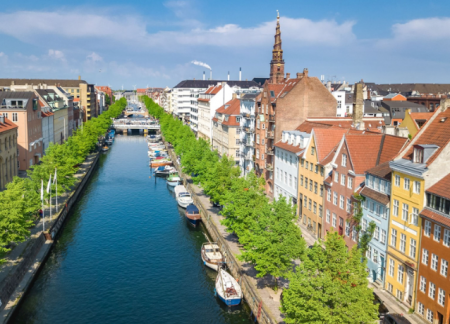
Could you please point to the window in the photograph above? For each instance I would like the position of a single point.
(343, 179)
(446, 237)
(437, 233)
(347, 229)
(391, 267)
(305, 201)
(376, 233)
(396, 204)
(412, 248)
(405, 211)
(423, 284)
(320, 210)
(321, 190)
(306, 165)
(309, 204)
(364, 224)
(341, 202)
(382, 184)
(434, 261)
(390, 287)
(328, 216)
(415, 216)
(285, 177)
(263, 126)
(432, 290)
(14, 117)
(397, 181)
(316, 169)
(383, 236)
(310, 185)
(336, 177)
(427, 230)
(417, 187)
(444, 267)
(349, 205)
(369, 252)
(354, 234)
(313, 150)
(430, 315)
(315, 187)
(400, 272)
(335, 198)
(334, 220)
(329, 194)
(310, 166)
(406, 184)
(350, 182)
(375, 256)
(441, 297)
(370, 181)
(302, 163)
(425, 256)
(402, 242)
(238, 141)
(262, 142)
(421, 308)
(394, 237)
(344, 160)
(315, 208)
(301, 180)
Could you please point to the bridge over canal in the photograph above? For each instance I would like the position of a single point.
(125, 124)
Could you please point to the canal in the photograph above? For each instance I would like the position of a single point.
(126, 255)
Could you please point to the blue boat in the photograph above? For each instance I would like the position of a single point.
(193, 215)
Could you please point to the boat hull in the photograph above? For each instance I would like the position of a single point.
(173, 183)
(230, 302)
(183, 204)
(210, 265)
(158, 164)
(193, 219)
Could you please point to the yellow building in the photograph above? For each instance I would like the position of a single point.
(315, 164)
(419, 166)
(413, 121)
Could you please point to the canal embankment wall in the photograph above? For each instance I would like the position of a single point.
(26, 265)
(260, 311)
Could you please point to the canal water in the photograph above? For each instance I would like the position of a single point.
(126, 255)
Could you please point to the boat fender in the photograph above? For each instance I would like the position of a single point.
(215, 292)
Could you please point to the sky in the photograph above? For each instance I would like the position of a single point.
(152, 43)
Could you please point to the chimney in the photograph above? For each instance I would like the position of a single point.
(445, 103)
(12, 82)
(358, 106)
(288, 76)
(240, 74)
(204, 76)
(305, 72)
(228, 75)
(329, 85)
(223, 91)
(210, 74)
(299, 75)
(79, 77)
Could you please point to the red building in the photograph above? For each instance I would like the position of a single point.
(106, 90)
(433, 283)
(355, 154)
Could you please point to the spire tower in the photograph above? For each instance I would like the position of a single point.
(277, 63)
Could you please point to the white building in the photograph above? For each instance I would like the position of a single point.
(185, 97)
(344, 103)
(101, 99)
(287, 152)
(47, 126)
(247, 139)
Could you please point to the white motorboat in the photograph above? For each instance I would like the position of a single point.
(165, 170)
(182, 196)
(228, 289)
(173, 179)
(211, 255)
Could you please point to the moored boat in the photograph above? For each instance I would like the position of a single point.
(164, 170)
(105, 148)
(228, 289)
(193, 215)
(211, 255)
(173, 179)
(159, 163)
(182, 196)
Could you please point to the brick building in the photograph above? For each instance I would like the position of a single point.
(284, 104)
(434, 286)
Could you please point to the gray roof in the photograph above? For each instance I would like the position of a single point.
(249, 96)
(16, 95)
(204, 84)
(407, 88)
(63, 83)
(260, 81)
(373, 107)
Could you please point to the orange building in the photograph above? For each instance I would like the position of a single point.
(433, 282)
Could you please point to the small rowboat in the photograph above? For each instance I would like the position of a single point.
(228, 289)
(193, 215)
(211, 255)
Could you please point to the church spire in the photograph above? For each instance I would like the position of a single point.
(277, 63)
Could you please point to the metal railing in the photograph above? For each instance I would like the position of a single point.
(272, 118)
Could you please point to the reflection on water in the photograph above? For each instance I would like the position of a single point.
(126, 255)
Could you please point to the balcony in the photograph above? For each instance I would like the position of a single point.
(269, 152)
(269, 167)
(248, 143)
(270, 135)
(272, 118)
(249, 130)
(248, 156)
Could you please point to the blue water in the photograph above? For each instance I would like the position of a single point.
(126, 255)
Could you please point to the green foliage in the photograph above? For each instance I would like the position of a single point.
(366, 236)
(329, 286)
(107, 99)
(21, 199)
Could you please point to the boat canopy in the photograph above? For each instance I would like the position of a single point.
(161, 168)
(192, 209)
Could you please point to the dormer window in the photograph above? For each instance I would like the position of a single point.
(418, 155)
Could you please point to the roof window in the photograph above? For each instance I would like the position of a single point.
(272, 93)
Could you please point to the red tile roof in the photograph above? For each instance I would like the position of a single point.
(76, 99)
(213, 89)
(7, 125)
(382, 170)
(363, 150)
(375, 195)
(437, 132)
(288, 147)
(233, 109)
(435, 216)
(391, 146)
(441, 188)
(326, 140)
(46, 114)
(141, 90)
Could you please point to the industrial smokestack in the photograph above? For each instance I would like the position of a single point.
(204, 76)
(210, 74)
(228, 75)
(240, 74)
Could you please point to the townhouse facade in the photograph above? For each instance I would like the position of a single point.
(247, 140)
(8, 151)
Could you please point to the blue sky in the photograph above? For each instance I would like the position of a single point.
(152, 43)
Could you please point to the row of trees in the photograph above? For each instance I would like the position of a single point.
(329, 286)
(21, 201)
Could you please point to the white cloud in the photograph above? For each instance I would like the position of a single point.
(57, 55)
(429, 29)
(94, 57)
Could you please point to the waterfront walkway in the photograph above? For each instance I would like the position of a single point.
(16, 255)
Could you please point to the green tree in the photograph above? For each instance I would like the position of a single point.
(330, 286)
(107, 99)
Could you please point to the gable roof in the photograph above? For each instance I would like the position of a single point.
(7, 125)
(288, 147)
(213, 89)
(382, 171)
(233, 109)
(423, 116)
(441, 188)
(327, 139)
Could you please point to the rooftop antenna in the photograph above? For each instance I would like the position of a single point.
(228, 75)
(240, 70)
